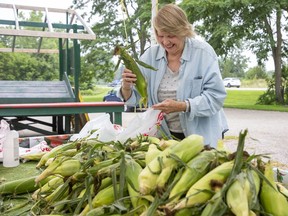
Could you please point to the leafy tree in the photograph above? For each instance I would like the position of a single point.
(29, 66)
(269, 96)
(23, 66)
(261, 23)
(257, 72)
(127, 23)
(234, 64)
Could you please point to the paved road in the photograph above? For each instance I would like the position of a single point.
(267, 132)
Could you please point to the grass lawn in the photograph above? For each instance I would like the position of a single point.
(246, 99)
(97, 95)
(236, 98)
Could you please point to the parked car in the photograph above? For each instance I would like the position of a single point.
(115, 83)
(232, 82)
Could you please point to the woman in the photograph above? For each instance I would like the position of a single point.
(187, 86)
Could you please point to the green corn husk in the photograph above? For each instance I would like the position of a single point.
(196, 169)
(271, 199)
(201, 191)
(57, 150)
(32, 156)
(152, 153)
(130, 63)
(20, 186)
(103, 197)
(49, 187)
(132, 171)
(63, 166)
(252, 189)
(236, 197)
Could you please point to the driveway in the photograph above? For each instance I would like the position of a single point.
(267, 132)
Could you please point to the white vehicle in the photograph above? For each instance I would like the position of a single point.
(232, 82)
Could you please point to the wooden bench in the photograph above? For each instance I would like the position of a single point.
(66, 109)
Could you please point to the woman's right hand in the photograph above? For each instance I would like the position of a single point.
(128, 81)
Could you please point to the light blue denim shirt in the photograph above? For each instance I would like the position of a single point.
(200, 82)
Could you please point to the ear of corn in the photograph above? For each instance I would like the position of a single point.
(130, 63)
(32, 156)
(19, 186)
(153, 140)
(68, 168)
(188, 148)
(48, 187)
(196, 168)
(163, 177)
(52, 196)
(215, 206)
(148, 176)
(103, 197)
(271, 199)
(252, 188)
(132, 171)
(151, 153)
(62, 166)
(236, 196)
(199, 192)
(57, 150)
(184, 150)
(97, 211)
(167, 143)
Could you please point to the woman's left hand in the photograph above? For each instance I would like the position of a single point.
(169, 106)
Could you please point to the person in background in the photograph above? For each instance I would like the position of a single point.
(187, 86)
(111, 96)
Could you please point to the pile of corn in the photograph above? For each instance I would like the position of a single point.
(148, 176)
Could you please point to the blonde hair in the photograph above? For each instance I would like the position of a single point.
(173, 20)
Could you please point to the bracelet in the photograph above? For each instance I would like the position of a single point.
(187, 105)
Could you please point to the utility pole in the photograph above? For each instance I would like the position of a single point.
(154, 10)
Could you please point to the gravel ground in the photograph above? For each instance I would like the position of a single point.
(267, 133)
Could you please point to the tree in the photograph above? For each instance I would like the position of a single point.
(257, 72)
(233, 64)
(261, 23)
(127, 23)
(29, 66)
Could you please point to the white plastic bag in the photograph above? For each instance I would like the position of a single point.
(40, 147)
(145, 123)
(100, 127)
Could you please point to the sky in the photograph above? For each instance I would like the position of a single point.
(64, 4)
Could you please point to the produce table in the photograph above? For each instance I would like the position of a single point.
(126, 168)
(23, 170)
